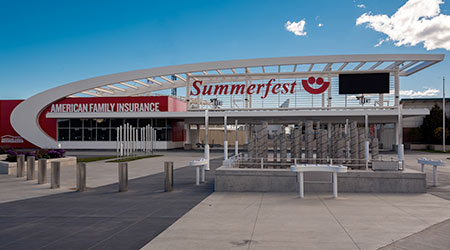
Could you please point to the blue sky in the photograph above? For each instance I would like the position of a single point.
(45, 44)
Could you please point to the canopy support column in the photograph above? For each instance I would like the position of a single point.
(225, 141)
(206, 140)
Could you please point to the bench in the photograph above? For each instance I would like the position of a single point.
(200, 166)
(424, 161)
(301, 168)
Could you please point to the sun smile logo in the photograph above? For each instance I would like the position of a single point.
(319, 81)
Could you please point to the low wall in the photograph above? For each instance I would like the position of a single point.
(11, 167)
(283, 180)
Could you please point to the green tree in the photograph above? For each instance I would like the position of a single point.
(430, 123)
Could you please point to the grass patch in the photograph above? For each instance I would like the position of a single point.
(96, 158)
(134, 158)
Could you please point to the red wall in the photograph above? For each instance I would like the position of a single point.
(166, 103)
(48, 125)
(178, 133)
(6, 108)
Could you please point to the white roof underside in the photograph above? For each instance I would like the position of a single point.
(146, 81)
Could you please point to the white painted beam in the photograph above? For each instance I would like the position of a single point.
(154, 81)
(116, 88)
(128, 85)
(104, 90)
(141, 83)
(342, 66)
(376, 65)
(91, 93)
(359, 66)
(166, 79)
(180, 77)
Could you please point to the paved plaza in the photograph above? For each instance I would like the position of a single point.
(193, 217)
(98, 174)
(282, 221)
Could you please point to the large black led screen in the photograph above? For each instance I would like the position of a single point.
(374, 83)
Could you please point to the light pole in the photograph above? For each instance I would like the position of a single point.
(443, 114)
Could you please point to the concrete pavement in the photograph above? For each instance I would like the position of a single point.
(282, 221)
(443, 188)
(102, 218)
(228, 220)
(98, 174)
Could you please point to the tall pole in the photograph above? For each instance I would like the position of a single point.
(225, 141)
(236, 142)
(443, 114)
(206, 140)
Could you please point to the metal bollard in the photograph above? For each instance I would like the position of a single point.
(123, 176)
(81, 177)
(20, 171)
(168, 173)
(55, 175)
(42, 171)
(434, 175)
(30, 167)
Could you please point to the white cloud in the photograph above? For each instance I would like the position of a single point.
(412, 93)
(415, 22)
(362, 6)
(320, 25)
(296, 27)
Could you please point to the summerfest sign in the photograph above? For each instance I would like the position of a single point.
(104, 107)
(262, 89)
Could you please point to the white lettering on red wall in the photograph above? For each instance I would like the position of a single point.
(104, 107)
(11, 139)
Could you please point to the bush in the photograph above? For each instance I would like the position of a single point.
(56, 153)
(3, 149)
(430, 123)
(40, 154)
(11, 156)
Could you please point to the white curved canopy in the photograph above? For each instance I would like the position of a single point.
(24, 118)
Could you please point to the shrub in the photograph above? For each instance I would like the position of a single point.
(55, 154)
(11, 158)
(430, 123)
(3, 149)
(39, 154)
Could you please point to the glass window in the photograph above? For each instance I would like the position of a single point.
(63, 123)
(103, 134)
(63, 134)
(88, 123)
(144, 122)
(169, 134)
(116, 123)
(113, 134)
(89, 134)
(132, 122)
(76, 123)
(161, 123)
(102, 123)
(161, 134)
(76, 134)
(169, 123)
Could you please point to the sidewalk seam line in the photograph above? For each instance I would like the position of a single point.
(256, 220)
(348, 234)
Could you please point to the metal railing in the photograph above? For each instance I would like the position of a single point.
(243, 161)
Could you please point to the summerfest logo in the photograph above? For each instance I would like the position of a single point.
(263, 89)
